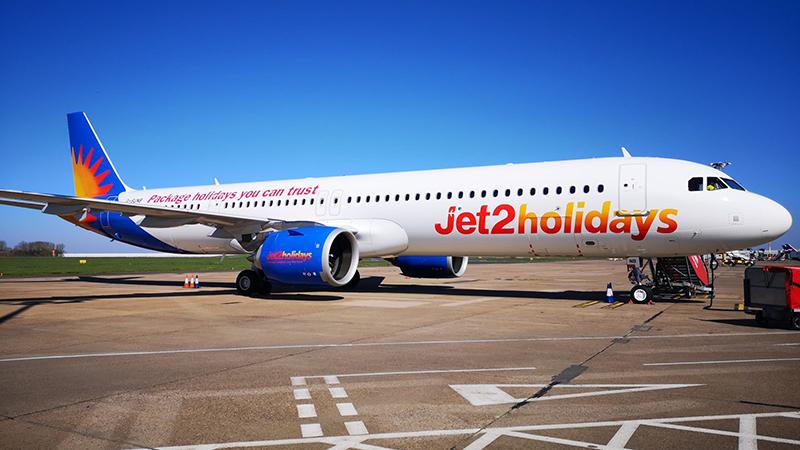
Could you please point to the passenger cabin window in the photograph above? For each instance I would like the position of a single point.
(714, 184)
(696, 184)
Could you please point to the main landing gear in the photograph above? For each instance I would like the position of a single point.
(250, 283)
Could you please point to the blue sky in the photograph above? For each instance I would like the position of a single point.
(244, 91)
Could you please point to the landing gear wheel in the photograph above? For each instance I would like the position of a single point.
(354, 282)
(248, 283)
(641, 294)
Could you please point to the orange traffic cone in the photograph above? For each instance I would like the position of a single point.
(197, 281)
(191, 282)
(186, 281)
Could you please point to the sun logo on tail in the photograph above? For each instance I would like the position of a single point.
(87, 180)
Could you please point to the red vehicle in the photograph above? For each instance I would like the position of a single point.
(772, 293)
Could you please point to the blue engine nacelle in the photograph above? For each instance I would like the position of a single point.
(431, 266)
(309, 256)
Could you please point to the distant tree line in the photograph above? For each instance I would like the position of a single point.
(38, 248)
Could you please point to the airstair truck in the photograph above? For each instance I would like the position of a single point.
(772, 293)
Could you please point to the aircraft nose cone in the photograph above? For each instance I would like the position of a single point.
(776, 220)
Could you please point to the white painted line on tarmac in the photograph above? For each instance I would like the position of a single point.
(306, 411)
(302, 394)
(515, 431)
(790, 343)
(466, 302)
(418, 372)
(298, 381)
(331, 379)
(384, 344)
(623, 435)
(346, 409)
(493, 394)
(338, 392)
(724, 361)
(356, 428)
(747, 433)
(311, 430)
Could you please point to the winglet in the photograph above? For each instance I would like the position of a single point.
(625, 152)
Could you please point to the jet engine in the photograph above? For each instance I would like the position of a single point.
(314, 255)
(431, 266)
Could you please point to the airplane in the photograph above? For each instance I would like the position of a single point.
(314, 231)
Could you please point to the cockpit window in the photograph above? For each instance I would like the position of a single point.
(733, 184)
(714, 184)
(696, 184)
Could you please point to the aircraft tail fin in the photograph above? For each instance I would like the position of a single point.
(92, 170)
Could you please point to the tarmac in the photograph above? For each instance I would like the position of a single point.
(508, 356)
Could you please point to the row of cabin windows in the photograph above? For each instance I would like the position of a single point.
(472, 194)
(407, 197)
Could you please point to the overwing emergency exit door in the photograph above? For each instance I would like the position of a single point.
(632, 189)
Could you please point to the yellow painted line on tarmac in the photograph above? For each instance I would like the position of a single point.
(585, 304)
(610, 305)
(617, 305)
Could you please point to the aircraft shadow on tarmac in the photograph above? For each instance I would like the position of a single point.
(368, 284)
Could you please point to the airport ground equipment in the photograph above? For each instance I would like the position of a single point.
(739, 257)
(671, 277)
(772, 293)
(788, 252)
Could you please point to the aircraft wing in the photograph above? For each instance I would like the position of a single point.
(152, 216)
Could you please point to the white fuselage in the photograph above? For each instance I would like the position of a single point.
(591, 207)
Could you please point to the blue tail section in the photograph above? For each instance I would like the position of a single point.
(92, 170)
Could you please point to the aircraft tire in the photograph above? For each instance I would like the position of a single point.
(641, 294)
(248, 283)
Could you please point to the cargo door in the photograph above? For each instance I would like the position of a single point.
(632, 189)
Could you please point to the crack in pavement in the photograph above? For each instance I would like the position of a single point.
(564, 377)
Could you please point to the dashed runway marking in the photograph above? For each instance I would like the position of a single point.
(346, 409)
(311, 430)
(298, 381)
(356, 428)
(338, 392)
(331, 379)
(305, 411)
(302, 394)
